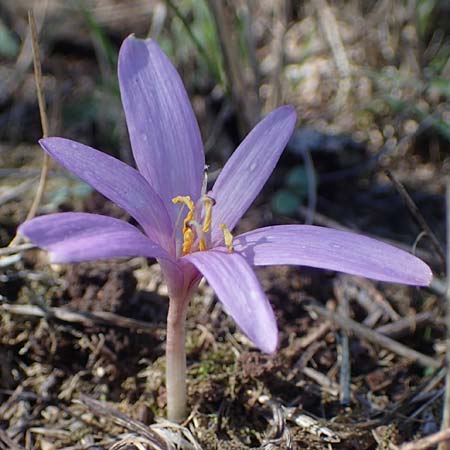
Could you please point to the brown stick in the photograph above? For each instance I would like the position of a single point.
(87, 319)
(405, 325)
(376, 338)
(426, 442)
(9, 442)
(344, 347)
(416, 214)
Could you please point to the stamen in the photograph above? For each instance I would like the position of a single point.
(188, 240)
(205, 180)
(188, 234)
(202, 245)
(185, 200)
(227, 237)
(196, 234)
(205, 204)
(200, 241)
(209, 203)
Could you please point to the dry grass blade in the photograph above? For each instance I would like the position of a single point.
(330, 29)
(42, 113)
(38, 73)
(123, 420)
(307, 423)
(313, 426)
(281, 434)
(164, 435)
(133, 442)
(15, 249)
(16, 192)
(11, 445)
(44, 121)
(244, 95)
(322, 380)
(417, 215)
(277, 50)
(176, 433)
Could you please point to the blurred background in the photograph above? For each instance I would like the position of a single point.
(369, 80)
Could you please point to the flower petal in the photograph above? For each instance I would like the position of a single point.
(77, 237)
(117, 181)
(246, 172)
(326, 248)
(163, 130)
(239, 290)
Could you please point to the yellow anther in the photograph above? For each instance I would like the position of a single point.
(202, 245)
(188, 240)
(185, 200)
(194, 233)
(188, 234)
(227, 237)
(209, 203)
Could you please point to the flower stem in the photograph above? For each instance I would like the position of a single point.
(176, 359)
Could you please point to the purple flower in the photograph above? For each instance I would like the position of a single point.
(187, 229)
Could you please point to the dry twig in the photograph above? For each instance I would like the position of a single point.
(87, 319)
(9, 442)
(417, 215)
(42, 113)
(343, 348)
(406, 325)
(376, 338)
(426, 442)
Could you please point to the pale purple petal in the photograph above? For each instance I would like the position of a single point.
(248, 169)
(77, 237)
(173, 278)
(325, 248)
(118, 182)
(164, 133)
(239, 290)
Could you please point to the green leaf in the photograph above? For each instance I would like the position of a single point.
(297, 181)
(285, 203)
(9, 46)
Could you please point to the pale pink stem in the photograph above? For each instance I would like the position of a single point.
(176, 359)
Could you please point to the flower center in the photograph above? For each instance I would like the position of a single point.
(196, 231)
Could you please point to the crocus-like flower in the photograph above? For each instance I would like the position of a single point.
(187, 229)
